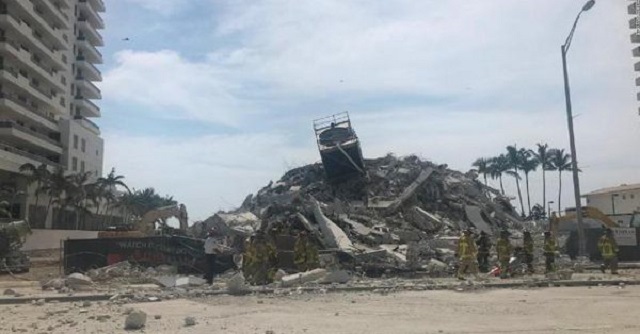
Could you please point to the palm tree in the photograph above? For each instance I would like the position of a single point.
(483, 167)
(110, 183)
(497, 166)
(515, 158)
(76, 194)
(560, 161)
(543, 155)
(529, 164)
(55, 188)
(40, 176)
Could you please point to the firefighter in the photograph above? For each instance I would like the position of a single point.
(484, 249)
(264, 262)
(528, 250)
(504, 250)
(467, 253)
(306, 254)
(550, 248)
(249, 258)
(609, 251)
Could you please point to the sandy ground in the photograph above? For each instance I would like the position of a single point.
(550, 310)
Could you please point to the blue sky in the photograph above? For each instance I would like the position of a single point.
(208, 100)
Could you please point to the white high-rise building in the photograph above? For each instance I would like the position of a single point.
(48, 52)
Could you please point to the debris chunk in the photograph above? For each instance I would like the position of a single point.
(135, 320)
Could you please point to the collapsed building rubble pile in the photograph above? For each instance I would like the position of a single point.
(404, 213)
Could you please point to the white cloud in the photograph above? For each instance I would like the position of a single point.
(163, 7)
(453, 81)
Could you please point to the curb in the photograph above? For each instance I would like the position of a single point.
(265, 291)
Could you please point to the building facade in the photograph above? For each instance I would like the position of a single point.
(48, 57)
(619, 203)
(633, 9)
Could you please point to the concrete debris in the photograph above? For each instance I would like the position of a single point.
(394, 217)
(176, 281)
(56, 284)
(136, 319)
(236, 285)
(75, 280)
(305, 277)
(189, 321)
(337, 276)
(9, 292)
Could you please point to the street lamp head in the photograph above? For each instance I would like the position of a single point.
(588, 5)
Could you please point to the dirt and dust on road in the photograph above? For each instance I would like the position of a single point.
(599, 309)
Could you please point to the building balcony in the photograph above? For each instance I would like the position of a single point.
(11, 158)
(12, 131)
(49, 32)
(88, 89)
(87, 69)
(54, 11)
(12, 105)
(86, 108)
(19, 82)
(88, 124)
(90, 13)
(98, 5)
(90, 32)
(90, 53)
(11, 50)
(34, 42)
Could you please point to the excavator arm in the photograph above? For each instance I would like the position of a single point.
(146, 225)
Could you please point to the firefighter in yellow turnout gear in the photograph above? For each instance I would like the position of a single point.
(468, 255)
(248, 258)
(261, 260)
(528, 250)
(550, 248)
(609, 251)
(306, 254)
(504, 250)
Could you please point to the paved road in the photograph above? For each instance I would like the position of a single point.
(548, 310)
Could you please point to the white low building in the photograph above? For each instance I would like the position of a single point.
(620, 203)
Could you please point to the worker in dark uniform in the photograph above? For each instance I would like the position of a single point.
(528, 250)
(214, 245)
(306, 254)
(484, 251)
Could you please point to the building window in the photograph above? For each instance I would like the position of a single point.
(74, 164)
(632, 196)
(83, 144)
(97, 153)
(624, 196)
(81, 166)
(75, 142)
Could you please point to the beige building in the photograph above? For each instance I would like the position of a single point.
(48, 53)
(620, 203)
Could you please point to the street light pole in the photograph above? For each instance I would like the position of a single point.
(572, 142)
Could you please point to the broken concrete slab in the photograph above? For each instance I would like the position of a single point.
(474, 215)
(175, 281)
(333, 236)
(304, 277)
(75, 280)
(337, 276)
(410, 190)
